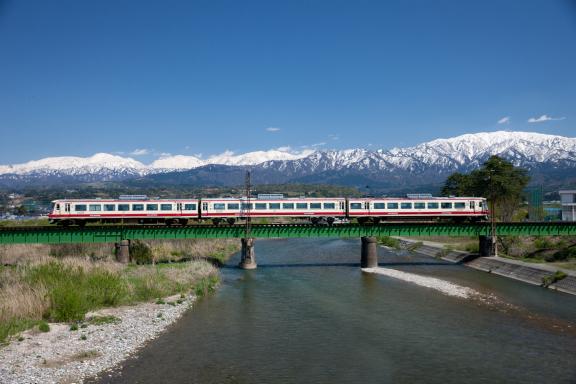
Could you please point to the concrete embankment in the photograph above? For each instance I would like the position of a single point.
(535, 274)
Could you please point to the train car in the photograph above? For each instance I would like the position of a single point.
(127, 210)
(317, 210)
(421, 208)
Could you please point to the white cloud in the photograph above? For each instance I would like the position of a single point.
(272, 129)
(334, 137)
(163, 155)
(544, 118)
(504, 120)
(140, 152)
(284, 149)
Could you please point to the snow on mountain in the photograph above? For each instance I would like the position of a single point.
(71, 165)
(180, 162)
(438, 157)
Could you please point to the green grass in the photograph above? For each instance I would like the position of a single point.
(74, 288)
(389, 241)
(15, 326)
(44, 327)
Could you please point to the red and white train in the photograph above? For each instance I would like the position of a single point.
(141, 210)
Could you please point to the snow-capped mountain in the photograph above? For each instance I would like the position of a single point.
(425, 163)
(179, 162)
(100, 163)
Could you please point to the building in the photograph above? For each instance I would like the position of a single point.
(568, 200)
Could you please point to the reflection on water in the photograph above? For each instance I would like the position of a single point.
(309, 315)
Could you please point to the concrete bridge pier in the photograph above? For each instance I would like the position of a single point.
(248, 260)
(123, 251)
(486, 246)
(369, 252)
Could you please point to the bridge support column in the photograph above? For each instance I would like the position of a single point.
(486, 246)
(123, 251)
(248, 260)
(369, 253)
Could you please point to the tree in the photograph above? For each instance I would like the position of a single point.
(457, 184)
(498, 180)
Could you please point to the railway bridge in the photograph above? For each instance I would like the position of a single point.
(121, 235)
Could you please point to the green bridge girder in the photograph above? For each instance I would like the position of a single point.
(104, 234)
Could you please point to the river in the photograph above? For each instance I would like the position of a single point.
(308, 314)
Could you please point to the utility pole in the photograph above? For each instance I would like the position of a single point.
(493, 216)
(248, 207)
(248, 260)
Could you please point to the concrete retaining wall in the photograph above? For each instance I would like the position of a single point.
(508, 268)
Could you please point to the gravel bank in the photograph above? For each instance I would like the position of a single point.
(443, 286)
(62, 356)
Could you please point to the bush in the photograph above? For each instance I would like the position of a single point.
(557, 276)
(562, 255)
(543, 243)
(44, 327)
(140, 252)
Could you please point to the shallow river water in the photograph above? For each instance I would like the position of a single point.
(308, 314)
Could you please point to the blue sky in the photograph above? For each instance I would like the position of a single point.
(190, 77)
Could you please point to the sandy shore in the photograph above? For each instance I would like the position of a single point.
(65, 356)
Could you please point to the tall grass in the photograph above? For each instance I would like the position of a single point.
(64, 290)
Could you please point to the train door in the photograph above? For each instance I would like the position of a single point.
(473, 206)
(179, 207)
(367, 207)
(67, 208)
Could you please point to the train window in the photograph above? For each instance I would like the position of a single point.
(94, 207)
(151, 207)
(80, 207)
(405, 205)
(460, 205)
(355, 205)
(392, 205)
(379, 206)
(137, 207)
(234, 206)
(109, 207)
(165, 207)
(246, 206)
(301, 205)
(329, 206)
(315, 206)
(446, 205)
(260, 206)
(419, 205)
(287, 205)
(219, 206)
(480, 204)
(189, 207)
(57, 207)
(433, 205)
(123, 207)
(274, 205)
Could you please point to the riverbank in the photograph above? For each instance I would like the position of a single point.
(548, 276)
(63, 355)
(65, 318)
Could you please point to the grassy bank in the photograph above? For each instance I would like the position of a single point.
(43, 283)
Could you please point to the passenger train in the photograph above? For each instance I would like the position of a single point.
(142, 210)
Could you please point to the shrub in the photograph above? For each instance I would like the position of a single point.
(557, 276)
(140, 252)
(74, 327)
(543, 243)
(44, 327)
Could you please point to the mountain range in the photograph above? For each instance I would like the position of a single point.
(549, 158)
